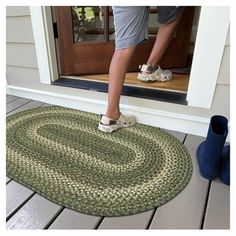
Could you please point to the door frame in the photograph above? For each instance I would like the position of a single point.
(209, 47)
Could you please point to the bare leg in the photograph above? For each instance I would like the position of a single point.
(163, 39)
(117, 72)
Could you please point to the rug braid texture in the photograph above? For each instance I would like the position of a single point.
(59, 153)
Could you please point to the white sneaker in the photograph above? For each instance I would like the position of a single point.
(154, 75)
(108, 125)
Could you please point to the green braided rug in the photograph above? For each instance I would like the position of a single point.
(59, 153)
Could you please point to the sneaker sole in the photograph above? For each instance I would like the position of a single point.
(145, 80)
(107, 129)
(110, 129)
(142, 78)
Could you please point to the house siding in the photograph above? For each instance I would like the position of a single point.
(22, 71)
(23, 34)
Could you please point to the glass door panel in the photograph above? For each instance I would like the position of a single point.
(88, 23)
(111, 25)
(153, 24)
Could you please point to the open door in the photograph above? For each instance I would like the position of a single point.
(86, 40)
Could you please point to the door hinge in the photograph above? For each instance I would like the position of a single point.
(55, 31)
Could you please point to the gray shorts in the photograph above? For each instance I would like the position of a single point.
(131, 23)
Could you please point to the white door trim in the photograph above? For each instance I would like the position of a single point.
(41, 19)
(210, 42)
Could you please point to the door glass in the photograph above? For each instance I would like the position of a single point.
(153, 23)
(111, 25)
(88, 23)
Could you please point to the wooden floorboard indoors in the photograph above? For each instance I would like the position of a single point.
(201, 205)
(178, 83)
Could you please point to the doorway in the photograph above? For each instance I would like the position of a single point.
(86, 45)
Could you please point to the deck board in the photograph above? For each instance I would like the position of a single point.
(185, 211)
(35, 214)
(47, 105)
(69, 219)
(218, 208)
(7, 179)
(137, 221)
(177, 134)
(10, 98)
(16, 104)
(27, 106)
(16, 194)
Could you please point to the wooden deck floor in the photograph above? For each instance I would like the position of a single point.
(202, 204)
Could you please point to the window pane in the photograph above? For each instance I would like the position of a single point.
(88, 23)
(153, 23)
(111, 25)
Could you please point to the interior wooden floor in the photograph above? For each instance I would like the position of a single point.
(178, 83)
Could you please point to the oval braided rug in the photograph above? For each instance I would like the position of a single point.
(59, 153)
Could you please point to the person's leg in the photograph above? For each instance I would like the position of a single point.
(131, 27)
(163, 38)
(169, 17)
(114, 119)
(117, 72)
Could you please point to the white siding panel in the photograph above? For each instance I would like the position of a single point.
(22, 76)
(19, 29)
(22, 55)
(17, 11)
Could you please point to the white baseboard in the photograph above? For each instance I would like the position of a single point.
(172, 121)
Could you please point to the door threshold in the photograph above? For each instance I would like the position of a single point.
(128, 90)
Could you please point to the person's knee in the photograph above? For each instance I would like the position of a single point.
(128, 52)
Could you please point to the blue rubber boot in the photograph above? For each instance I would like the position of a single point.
(209, 151)
(225, 165)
